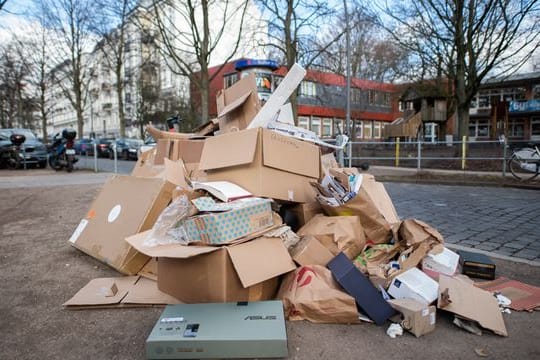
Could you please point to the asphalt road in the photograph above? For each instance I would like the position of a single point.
(39, 271)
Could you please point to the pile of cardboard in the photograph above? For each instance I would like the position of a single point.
(337, 248)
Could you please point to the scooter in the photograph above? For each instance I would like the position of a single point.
(62, 152)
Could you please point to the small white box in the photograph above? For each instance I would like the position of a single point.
(416, 285)
(445, 262)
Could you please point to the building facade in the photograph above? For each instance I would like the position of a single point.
(321, 98)
(508, 106)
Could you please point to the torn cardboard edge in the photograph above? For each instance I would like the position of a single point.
(127, 291)
(470, 302)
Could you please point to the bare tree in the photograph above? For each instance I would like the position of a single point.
(13, 71)
(374, 56)
(72, 21)
(34, 48)
(113, 27)
(191, 33)
(466, 40)
(294, 28)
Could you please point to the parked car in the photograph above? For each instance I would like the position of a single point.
(149, 143)
(126, 148)
(84, 147)
(103, 147)
(32, 150)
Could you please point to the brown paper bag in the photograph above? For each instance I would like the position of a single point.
(376, 228)
(310, 293)
(413, 232)
(337, 233)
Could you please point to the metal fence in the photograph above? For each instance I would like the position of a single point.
(450, 155)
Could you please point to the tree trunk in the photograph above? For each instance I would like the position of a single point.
(120, 95)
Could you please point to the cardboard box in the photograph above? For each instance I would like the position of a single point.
(263, 162)
(416, 285)
(201, 274)
(440, 262)
(417, 318)
(221, 223)
(305, 212)
(237, 105)
(310, 251)
(125, 206)
(476, 265)
(368, 298)
(188, 150)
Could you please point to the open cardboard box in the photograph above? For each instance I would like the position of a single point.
(188, 150)
(202, 274)
(265, 163)
(237, 105)
(125, 206)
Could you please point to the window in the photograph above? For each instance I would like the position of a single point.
(229, 79)
(536, 92)
(303, 122)
(371, 97)
(264, 82)
(308, 89)
(316, 126)
(376, 130)
(326, 128)
(535, 129)
(367, 130)
(356, 96)
(516, 128)
(358, 127)
(386, 99)
(339, 126)
(277, 80)
(479, 128)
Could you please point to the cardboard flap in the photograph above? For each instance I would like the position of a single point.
(145, 291)
(169, 251)
(472, 303)
(96, 292)
(234, 105)
(248, 262)
(292, 155)
(240, 147)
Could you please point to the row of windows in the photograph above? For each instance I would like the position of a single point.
(330, 128)
(267, 82)
(516, 128)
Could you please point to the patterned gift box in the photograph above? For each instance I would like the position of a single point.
(224, 222)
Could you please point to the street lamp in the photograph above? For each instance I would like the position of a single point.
(348, 73)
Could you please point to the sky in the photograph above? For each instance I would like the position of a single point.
(11, 19)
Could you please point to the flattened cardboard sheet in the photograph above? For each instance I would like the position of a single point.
(130, 291)
(470, 302)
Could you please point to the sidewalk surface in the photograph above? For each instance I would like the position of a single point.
(40, 271)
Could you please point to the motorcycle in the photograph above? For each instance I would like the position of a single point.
(11, 156)
(62, 152)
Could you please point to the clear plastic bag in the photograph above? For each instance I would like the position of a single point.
(165, 231)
